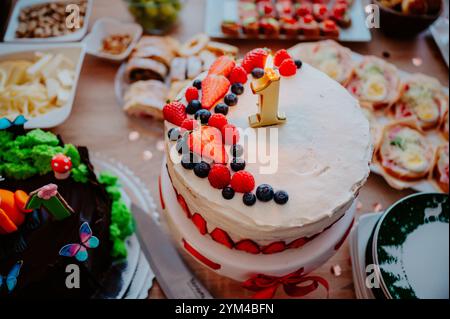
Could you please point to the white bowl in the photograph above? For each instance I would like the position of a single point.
(74, 51)
(105, 27)
(10, 35)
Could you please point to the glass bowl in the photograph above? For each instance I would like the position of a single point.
(155, 16)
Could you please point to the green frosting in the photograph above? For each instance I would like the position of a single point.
(31, 154)
(80, 174)
(122, 222)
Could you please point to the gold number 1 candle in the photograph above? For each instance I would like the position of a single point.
(268, 90)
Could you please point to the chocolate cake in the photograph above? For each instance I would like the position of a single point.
(37, 243)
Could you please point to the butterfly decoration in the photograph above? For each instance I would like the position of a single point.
(5, 123)
(79, 251)
(11, 279)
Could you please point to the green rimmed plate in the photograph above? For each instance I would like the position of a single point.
(411, 248)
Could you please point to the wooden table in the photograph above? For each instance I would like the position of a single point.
(98, 122)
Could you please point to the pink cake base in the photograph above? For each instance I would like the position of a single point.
(239, 265)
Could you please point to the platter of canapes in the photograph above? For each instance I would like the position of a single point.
(408, 114)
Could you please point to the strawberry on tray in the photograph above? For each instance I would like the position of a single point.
(309, 19)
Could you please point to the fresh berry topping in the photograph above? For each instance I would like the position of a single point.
(288, 68)
(222, 66)
(329, 25)
(222, 237)
(248, 246)
(221, 108)
(182, 146)
(202, 169)
(280, 56)
(200, 223)
(249, 199)
(281, 197)
(243, 182)
(214, 88)
(207, 143)
(228, 193)
(298, 64)
(254, 59)
(274, 248)
(258, 73)
(174, 134)
(237, 88)
(175, 113)
(189, 124)
(193, 106)
(191, 94)
(218, 121)
(264, 193)
(237, 164)
(203, 115)
(231, 99)
(188, 161)
(238, 75)
(219, 176)
(230, 134)
(237, 150)
(197, 84)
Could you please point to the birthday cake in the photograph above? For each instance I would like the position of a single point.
(265, 153)
(61, 227)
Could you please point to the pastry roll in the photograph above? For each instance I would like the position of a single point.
(194, 67)
(146, 98)
(159, 54)
(178, 69)
(140, 69)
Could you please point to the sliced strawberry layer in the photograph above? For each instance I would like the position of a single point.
(298, 243)
(184, 205)
(248, 246)
(200, 257)
(214, 88)
(200, 223)
(207, 143)
(274, 248)
(222, 66)
(161, 199)
(222, 237)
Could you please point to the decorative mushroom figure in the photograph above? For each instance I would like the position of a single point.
(62, 166)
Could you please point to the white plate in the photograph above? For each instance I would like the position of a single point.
(440, 33)
(10, 35)
(74, 51)
(106, 27)
(357, 32)
(358, 240)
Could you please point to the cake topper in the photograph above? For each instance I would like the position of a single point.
(5, 123)
(79, 251)
(268, 90)
(11, 279)
(52, 201)
(62, 166)
(12, 210)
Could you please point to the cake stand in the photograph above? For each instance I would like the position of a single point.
(242, 266)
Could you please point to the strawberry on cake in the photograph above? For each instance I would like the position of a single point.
(319, 157)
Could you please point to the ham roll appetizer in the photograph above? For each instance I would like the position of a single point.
(327, 56)
(441, 168)
(423, 100)
(405, 153)
(375, 83)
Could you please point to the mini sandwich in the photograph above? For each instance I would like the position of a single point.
(328, 56)
(441, 168)
(140, 69)
(309, 27)
(375, 83)
(405, 153)
(422, 99)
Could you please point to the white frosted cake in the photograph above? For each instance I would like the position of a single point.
(324, 151)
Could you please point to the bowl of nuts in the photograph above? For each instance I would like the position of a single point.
(48, 21)
(111, 39)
